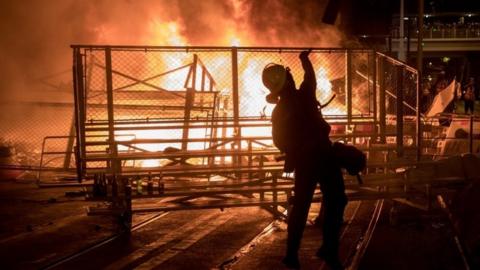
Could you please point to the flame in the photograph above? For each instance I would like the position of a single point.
(235, 42)
(324, 86)
(167, 33)
(324, 92)
(252, 90)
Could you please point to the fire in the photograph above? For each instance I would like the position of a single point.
(235, 42)
(324, 86)
(252, 92)
(233, 39)
(324, 93)
(165, 33)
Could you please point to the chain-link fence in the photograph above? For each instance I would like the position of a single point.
(152, 82)
(200, 94)
(35, 109)
(398, 114)
(159, 92)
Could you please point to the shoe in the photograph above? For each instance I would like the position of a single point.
(291, 262)
(330, 259)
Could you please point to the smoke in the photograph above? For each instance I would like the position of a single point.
(37, 34)
(258, 23)
(291, 23)
(35, 39)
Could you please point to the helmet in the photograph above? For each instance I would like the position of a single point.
(273, 77)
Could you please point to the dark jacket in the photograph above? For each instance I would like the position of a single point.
(298, 127)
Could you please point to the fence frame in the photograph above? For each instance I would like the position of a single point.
(378, 79)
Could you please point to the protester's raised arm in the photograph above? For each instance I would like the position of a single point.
(309, 81)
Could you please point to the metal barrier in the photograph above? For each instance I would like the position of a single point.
(201, 113)
(114, 84)
(451, 134)
(152, 82)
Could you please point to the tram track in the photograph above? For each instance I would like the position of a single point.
(103, 242)
(268, 230)
(351, 252)
(458, 244)
(165, 242)
(362, 245)
(171, 244)
(155, 253)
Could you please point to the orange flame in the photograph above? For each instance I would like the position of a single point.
(254, 92)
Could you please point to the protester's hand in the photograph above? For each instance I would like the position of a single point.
(304, 54)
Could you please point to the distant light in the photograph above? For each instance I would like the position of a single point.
(364, 36)
(430, 63)
(445, 59)
(427, 15)
(469, 15)
(405, 18)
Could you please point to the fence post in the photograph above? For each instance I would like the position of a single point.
(348, 85)
(111, 120)
(69, 148)
(236, 103)
(189, 98)
(79, 112)
(236, 111)
(399, 93)
(418, 123)
(381, 103)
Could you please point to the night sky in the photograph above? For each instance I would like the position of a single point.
(374, 16)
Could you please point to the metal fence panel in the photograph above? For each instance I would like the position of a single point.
(193, 91)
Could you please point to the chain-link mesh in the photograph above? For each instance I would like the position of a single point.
(150, 85)
(43, 107)
(331, 71)
(397, 103)
(190, 93)
(202, 95)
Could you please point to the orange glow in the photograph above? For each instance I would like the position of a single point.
(252, 91)
(235, 42)
(165, 33)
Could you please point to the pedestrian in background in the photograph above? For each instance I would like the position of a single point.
(469, 96)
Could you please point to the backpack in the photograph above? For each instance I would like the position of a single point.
(350, 158)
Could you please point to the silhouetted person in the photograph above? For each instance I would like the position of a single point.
(299, 131)
(469, 96)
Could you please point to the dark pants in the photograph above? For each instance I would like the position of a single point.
(308, 173)
(469, 106)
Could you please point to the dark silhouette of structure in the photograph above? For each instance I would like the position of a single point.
(299, 131)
